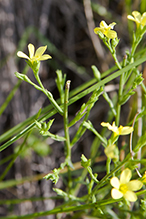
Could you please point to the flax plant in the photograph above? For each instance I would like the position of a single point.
(112, 193)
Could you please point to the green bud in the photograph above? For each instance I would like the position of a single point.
(96, 72)
(101, 35)
(84, 162)
(114, 42)
(22, 77)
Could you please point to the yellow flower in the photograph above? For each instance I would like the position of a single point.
(111, 151)
(124, 187)
(34, 56)
(138, 18)
(118, 131)
(106, 30)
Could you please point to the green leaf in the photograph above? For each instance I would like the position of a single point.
(54, 177)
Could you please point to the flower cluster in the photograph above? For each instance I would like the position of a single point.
(106, 30)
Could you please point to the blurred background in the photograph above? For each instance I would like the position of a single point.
(66, 27)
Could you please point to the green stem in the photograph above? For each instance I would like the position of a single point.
(108, 165)
(120, 89)
(113, 52)
(135, 44)
(66, 131)
(116, 61)
(49, 95)
(39, 81)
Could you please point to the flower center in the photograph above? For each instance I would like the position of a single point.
(123, 188)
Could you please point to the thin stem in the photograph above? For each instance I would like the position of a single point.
(131, 150)
(39, 81)
(119, 97)
(116, 61)
(135, 44)
(66, 129)
(140, 123)
(49, 95)
(108, 165)
(120, 87)
(66, 132)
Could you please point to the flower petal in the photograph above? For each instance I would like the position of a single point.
(125, 130)
(116, 194)
(103, 24)
(22, 55)
(115, 182)
(131, 18)
(125, 176)
(112, 25)
(106, 124)
(137, 15)
(111, 34)
(44, 57)
(31, 50)
(40, 51)
(130, 196)
(134, 185)
(143, 19)
(96, 30)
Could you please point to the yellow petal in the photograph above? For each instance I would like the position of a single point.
(106, 124)
(97, 29)
(112, 25)
(103, 24)
(125, 130)
(115, 182)
(22, 55)
(125, 176)
(136, 15)
(116, 194)
(130, 196)
(131, 18)
(143, 19)
(134, 185)
(31, 50)
(40, 51)
(112, 127)
(111, 34)
(44, 57)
